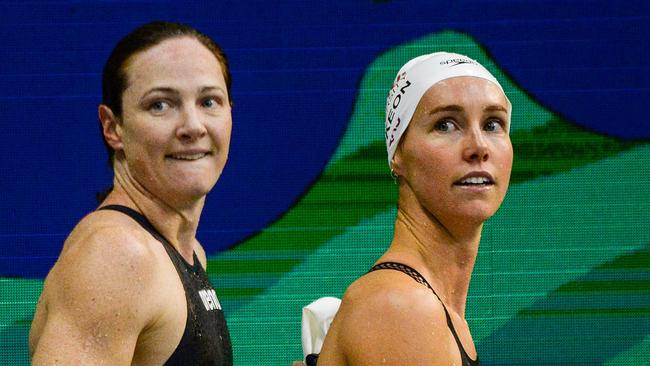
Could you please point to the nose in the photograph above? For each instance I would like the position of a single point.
(192, 127)
(476, 147)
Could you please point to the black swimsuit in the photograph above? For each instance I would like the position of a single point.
(206, 340)
(466, 360)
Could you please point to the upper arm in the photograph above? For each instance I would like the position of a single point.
(391, 323)
(98, 300)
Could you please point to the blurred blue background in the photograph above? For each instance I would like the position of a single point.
(297, 69)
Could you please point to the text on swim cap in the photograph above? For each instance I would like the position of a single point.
(458, 61)
(392, 102)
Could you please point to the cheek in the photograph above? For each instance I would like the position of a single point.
(220, 132)
(436, 158)
(139, 133)
(430, 169)
(144, 151)
(225, 135)
(503, 163)
(504, 155)
(148, 148)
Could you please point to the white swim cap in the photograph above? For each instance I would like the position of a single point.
(414, 79)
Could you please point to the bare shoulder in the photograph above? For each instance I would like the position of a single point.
(104, 245)
(99, 295)
(107, 227)
(394, 298)
(387, 317)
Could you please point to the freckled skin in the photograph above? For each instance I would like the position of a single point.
(176, 124)
(114, 297)
(430, 161)
(388, 318)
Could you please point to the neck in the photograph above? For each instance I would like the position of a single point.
(445, 254)
(178, 224)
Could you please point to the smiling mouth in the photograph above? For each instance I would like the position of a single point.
(475, 182)
(188, 157)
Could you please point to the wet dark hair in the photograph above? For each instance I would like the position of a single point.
(114, 78)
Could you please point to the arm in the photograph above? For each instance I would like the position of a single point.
(96, 301)
(388, 319)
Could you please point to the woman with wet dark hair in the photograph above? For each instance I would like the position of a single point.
(114, 76)
(130, 286)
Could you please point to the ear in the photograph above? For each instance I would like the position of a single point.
(110, 127)
(396, 164)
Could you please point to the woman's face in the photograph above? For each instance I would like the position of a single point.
(176, 120)
(456, 155)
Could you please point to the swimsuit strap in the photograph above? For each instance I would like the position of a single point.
(135, 215)
(420, 279)
(144, 222)
(406, 269)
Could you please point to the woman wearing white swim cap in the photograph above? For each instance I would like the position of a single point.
(447, 123)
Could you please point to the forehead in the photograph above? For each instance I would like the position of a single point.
(173, 61)
(465, 91)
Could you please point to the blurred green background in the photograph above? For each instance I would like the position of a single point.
(563, 272)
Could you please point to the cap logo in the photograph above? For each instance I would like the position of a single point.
(413, 80)
(458, 61)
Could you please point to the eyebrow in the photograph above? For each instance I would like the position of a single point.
(446, 108)
(495, 108)
(458, 108)
(161, 89)
(211, 88)
(169, 90)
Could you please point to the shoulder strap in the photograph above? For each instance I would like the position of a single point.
(138, 217)
(420, 279)
(142, 220)
(412, 272)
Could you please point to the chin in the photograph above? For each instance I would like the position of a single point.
(476, 213)
(190, 192)
(198, 191)
(194, 183)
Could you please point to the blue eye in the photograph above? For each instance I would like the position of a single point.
(210, 102)
(493, 125)
(444, 125)
(159, 106)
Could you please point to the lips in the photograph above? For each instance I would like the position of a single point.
(475, 179)
(188, 155)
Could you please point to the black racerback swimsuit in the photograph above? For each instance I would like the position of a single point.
(466, 360)
(206, 340)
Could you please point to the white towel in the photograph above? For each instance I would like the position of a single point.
(316, 320)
